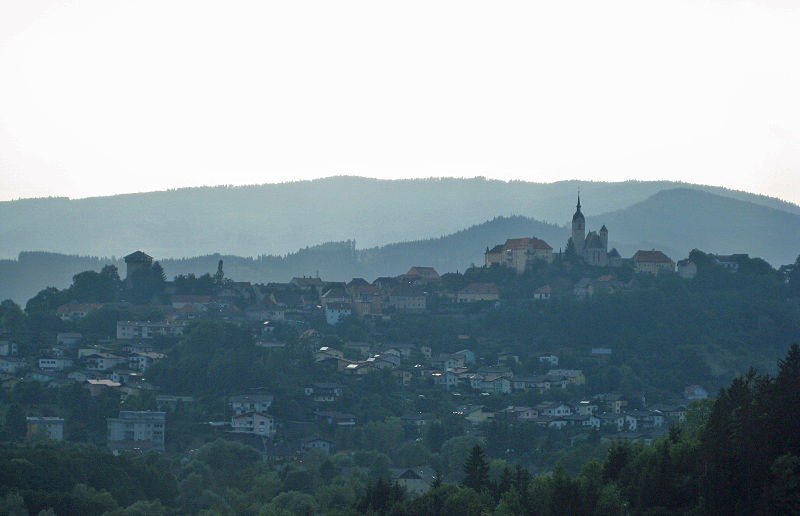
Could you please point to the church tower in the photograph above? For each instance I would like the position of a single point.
(604, 237)
(578, 229)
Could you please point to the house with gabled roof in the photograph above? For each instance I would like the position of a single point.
(652, 262)
(406, 298)
(476, 292)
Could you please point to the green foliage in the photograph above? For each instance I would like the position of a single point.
(476, 471)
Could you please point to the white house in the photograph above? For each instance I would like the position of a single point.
(254, 423)
(335, 312)
(553, 409)
(549, 358)
(141, 360)
(49, 427)
(8, 348)
(104, 361)
(54, 364)
(245, 403)
(137, 430)
(12, 365)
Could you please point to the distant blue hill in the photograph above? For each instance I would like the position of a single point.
(281, 218)
(674, 220)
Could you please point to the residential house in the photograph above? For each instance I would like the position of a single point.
(326, 352)
(403, 376)
(583, 420)
(553, 409)
(335, 312)
(405, 298)
(54, 364)
(422, 274)
(495, 384)
(615, 402)
(254, 423)
(68, 338)
(615, 422)
(11, 365)
(600, 352)
(74, 311)
(340, 419)
(171, 402)
(316, 443)
(137, 430)
(476, 292)
(548, 358)
(519, 253)
(45, 427)
(147, 329)
(324, 391)
(543, 293)
(671, 412)
(468, 356)
(446, 378)
(335, 295)
(141, 360)
(695, 392)
(414, 481)
(500, 370)
(475, 414)
(687, 269)
(652, 262)
(103, 361)
(586, 408)
(309, 283)
(8, 348)
(520, 413)
(384, 361)
(573, 376)
(98, 385)
(244, 403)
(530, 383)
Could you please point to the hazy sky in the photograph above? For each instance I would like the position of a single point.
(108, 96)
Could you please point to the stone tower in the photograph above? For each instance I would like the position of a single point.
(578, 228)
(604, 237)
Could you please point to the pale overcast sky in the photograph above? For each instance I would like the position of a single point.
(110, 96)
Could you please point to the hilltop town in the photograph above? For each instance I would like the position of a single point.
(298, 364)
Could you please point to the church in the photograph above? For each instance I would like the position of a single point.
(593, 248)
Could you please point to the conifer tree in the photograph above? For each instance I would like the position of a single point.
(476, 470)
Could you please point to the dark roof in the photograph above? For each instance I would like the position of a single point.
(613, 253)
(406, 291)
(593, 241)
(578, 215)
(496, 249)
(481, 288)
(138, 256)
(335, 292)
(357, 282)
(651, 257)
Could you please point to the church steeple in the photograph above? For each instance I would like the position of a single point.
(578, 227)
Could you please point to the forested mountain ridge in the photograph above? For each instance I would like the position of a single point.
(280, 218)
(674, 221)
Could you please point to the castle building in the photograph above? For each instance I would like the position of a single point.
(592, 247)
(519, 253)
(136, 261)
